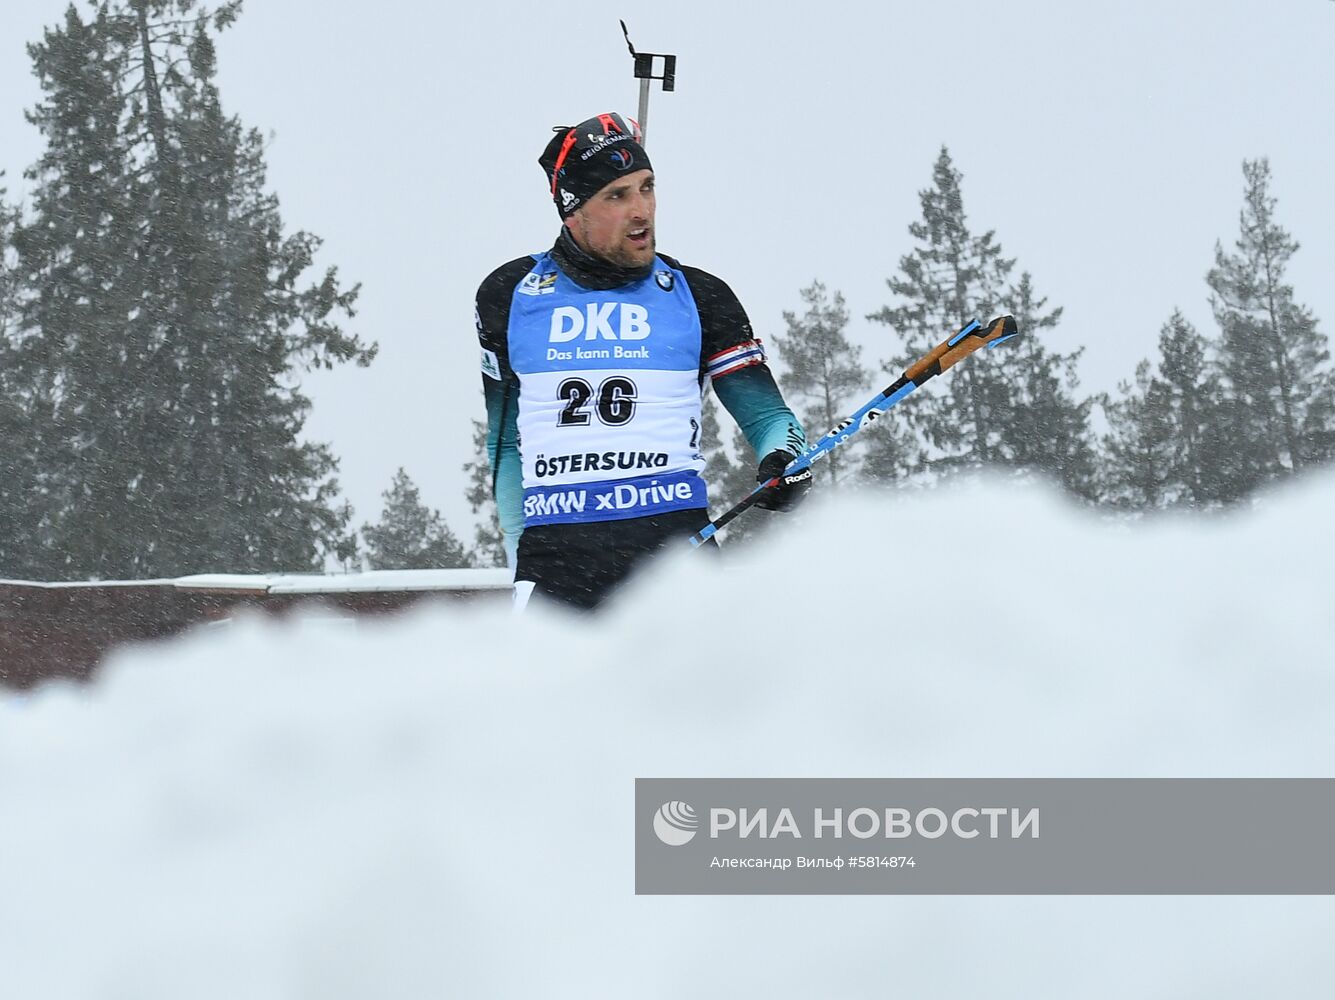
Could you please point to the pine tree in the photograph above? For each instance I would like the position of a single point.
(164, 321)
(949, 277)
(890, 452)
(824, 371)
(23, 508)
(488, 544)
(1138, 448)
(1280, 398)
(729, 479)
(1043, 428)
(348, 549)
(1166, 446)
(73, 268)
(1007, 407)
(9, 219)
(409, 535)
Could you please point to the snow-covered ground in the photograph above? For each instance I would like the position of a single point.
(441, 806)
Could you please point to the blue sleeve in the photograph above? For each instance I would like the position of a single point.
(752, 397)
(507, 481)
(500, 386)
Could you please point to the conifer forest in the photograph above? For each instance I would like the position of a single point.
(157, 315)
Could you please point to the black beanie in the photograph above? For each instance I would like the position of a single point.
(580, 161)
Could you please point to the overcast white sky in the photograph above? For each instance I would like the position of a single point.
(1103, 143)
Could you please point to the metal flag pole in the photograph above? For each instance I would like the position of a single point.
(644, 72)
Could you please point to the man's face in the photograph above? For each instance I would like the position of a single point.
(617, 223)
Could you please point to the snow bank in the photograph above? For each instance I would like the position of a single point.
(441, 806)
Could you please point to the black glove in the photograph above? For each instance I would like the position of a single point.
(791, 489)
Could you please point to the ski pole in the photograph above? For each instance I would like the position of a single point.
(941, 357)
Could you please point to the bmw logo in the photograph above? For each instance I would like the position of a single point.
(664, 279)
